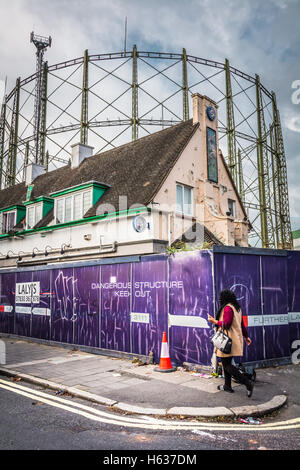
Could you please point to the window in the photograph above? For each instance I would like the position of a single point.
(86, 201)
(8, 221)
(72, 207)
(77, 206)
(33, 215)
(184, 199)
(59, 211)
(212, 159)
(231, 207)
(68, 209)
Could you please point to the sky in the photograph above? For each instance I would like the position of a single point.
(257, 36)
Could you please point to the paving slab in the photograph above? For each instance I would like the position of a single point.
(109, 380)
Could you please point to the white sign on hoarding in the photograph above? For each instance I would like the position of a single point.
(27, 293)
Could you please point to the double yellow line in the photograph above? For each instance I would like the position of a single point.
(138, 422)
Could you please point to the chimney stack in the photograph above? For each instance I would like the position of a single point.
(32, 171)
(197, 107)
(79, 153)
(205, 111)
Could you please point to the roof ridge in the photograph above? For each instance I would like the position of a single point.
(134, 142)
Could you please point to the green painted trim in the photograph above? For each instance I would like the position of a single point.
(12, 208)
(80, 222)
(97, 193)
(39, 199)
(80, 187)
(296, 234)
(47, 206)
(29, 189)
(20, 213)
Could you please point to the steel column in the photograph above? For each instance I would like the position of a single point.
(185, 87)
(43, 116)
(26, 159)
(241, 177)
(13, 139)
(84, 122)
(275, 187)
(266, 220)
(47, 161)
(134, 120)
(284, 210)
(2, 139)
(230, 129)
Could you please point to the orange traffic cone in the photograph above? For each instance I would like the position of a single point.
(165, 361)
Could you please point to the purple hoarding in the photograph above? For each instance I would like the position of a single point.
(275, 306)
(115, 306)
(86, 306)
(293, 273)
(190, 300)
(242, 275)
(41, 311)
(149, 314)
(62, 318)
(23, 303)
(127, 306)
(7, 303)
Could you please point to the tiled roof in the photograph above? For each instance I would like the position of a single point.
(135, 170)
(197, 234)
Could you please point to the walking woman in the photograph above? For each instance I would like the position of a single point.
(230, 315)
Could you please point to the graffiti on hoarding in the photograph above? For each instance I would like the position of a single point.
(64, 288)
(241, 292)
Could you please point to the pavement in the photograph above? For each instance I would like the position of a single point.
(126, 386)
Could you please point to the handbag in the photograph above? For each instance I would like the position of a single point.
(221, 341)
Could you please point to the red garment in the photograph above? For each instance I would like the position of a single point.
(227, 319)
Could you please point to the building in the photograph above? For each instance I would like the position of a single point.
(296, 239)
(136, 199)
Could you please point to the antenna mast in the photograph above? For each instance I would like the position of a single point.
(125, 35)
(41, 43)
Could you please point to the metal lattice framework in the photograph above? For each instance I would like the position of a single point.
(106, 100)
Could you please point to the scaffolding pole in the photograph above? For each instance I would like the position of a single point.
(230, 128)
(13, 138)
(134, 119)
(84, 121)
(185, 87)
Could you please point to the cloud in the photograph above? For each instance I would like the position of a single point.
(293, 123)
(257, 37)
(2, 87)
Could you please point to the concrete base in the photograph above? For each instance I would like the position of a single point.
(173, 369)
